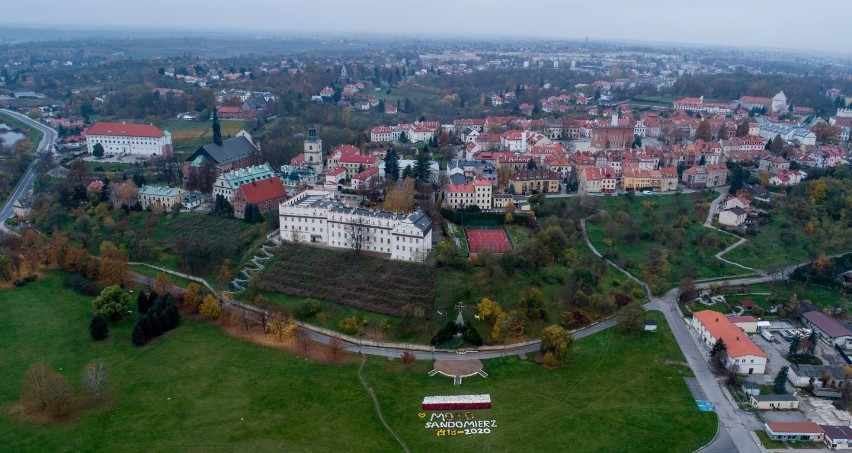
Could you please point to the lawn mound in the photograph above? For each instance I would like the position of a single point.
(367, 283)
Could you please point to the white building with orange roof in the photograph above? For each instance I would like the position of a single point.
(742, 355)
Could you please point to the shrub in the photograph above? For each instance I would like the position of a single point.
(138, 337)
(408, 357)
(81, 284)
(349, 326)
(309, 307)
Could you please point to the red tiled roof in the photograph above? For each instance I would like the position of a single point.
(124, 130)
(336, 171)
(263, 190)
(461, 188)
(737, 342)
(358, 159)
(366, 174)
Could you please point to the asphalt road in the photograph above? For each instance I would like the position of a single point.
(26, 182)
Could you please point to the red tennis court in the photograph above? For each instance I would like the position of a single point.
(495, 241)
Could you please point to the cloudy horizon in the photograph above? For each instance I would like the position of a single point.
(778, 24)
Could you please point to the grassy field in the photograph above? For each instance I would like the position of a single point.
(197, 389)
(517, 234)
(768, 250)
(607, 398)
(651, 222)
(821, 296)
(189, 135)
(187, 391)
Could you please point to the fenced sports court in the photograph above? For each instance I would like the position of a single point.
(492, 240)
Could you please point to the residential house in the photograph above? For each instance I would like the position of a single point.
(597, 180)
(362, 180)
(705, 176)
(538, 180)
(335, 176)
(266, 194)
(774, 164)
(742, 356)
(161, 196)
(787, 178)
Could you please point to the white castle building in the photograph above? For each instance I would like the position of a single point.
(127, 138)
(315, 217)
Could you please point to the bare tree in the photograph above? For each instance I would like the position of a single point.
(335, 347)
(357, 233)
(302, 337)
(296, 236)
(44, 388)
(94, 377)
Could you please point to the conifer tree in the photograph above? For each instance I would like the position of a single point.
(138, 336)
(98, 328)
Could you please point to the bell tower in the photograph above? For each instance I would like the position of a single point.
(313, 151)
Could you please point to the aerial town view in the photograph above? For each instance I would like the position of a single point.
(292, 227)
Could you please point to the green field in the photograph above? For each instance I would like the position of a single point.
(186, 391)
(197, 389)
(771, 248)
(606, 399)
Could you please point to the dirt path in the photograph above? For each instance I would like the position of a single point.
(378, 408)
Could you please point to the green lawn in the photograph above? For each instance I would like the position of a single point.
(186, 391)
(607, 398)
(821, 296)
(769, 443)
(518, 234)
(197, 389)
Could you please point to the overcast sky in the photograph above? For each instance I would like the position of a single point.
(794, 24)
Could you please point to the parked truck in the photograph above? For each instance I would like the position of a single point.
(765, 333)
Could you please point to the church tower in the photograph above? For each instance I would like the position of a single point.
(313, 151)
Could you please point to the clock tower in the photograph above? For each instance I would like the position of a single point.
(313, 151)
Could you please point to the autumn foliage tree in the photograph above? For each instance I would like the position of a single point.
(210, 308)
(400, 196)
(192, 298)
(555, 342)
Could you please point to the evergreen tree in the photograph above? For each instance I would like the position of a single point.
(422, 170)
(742, 129)
(392, 165)
(702, 161)
(217, 128)
(248, 214)
(98, 328)
(257, 216)
(531, 164)
(98, 150)
(777, 144)
(795, 344)
(138, 336)
(143, 303)
(779, 386)
(637, 142)
(407, 172)
(768, 145)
